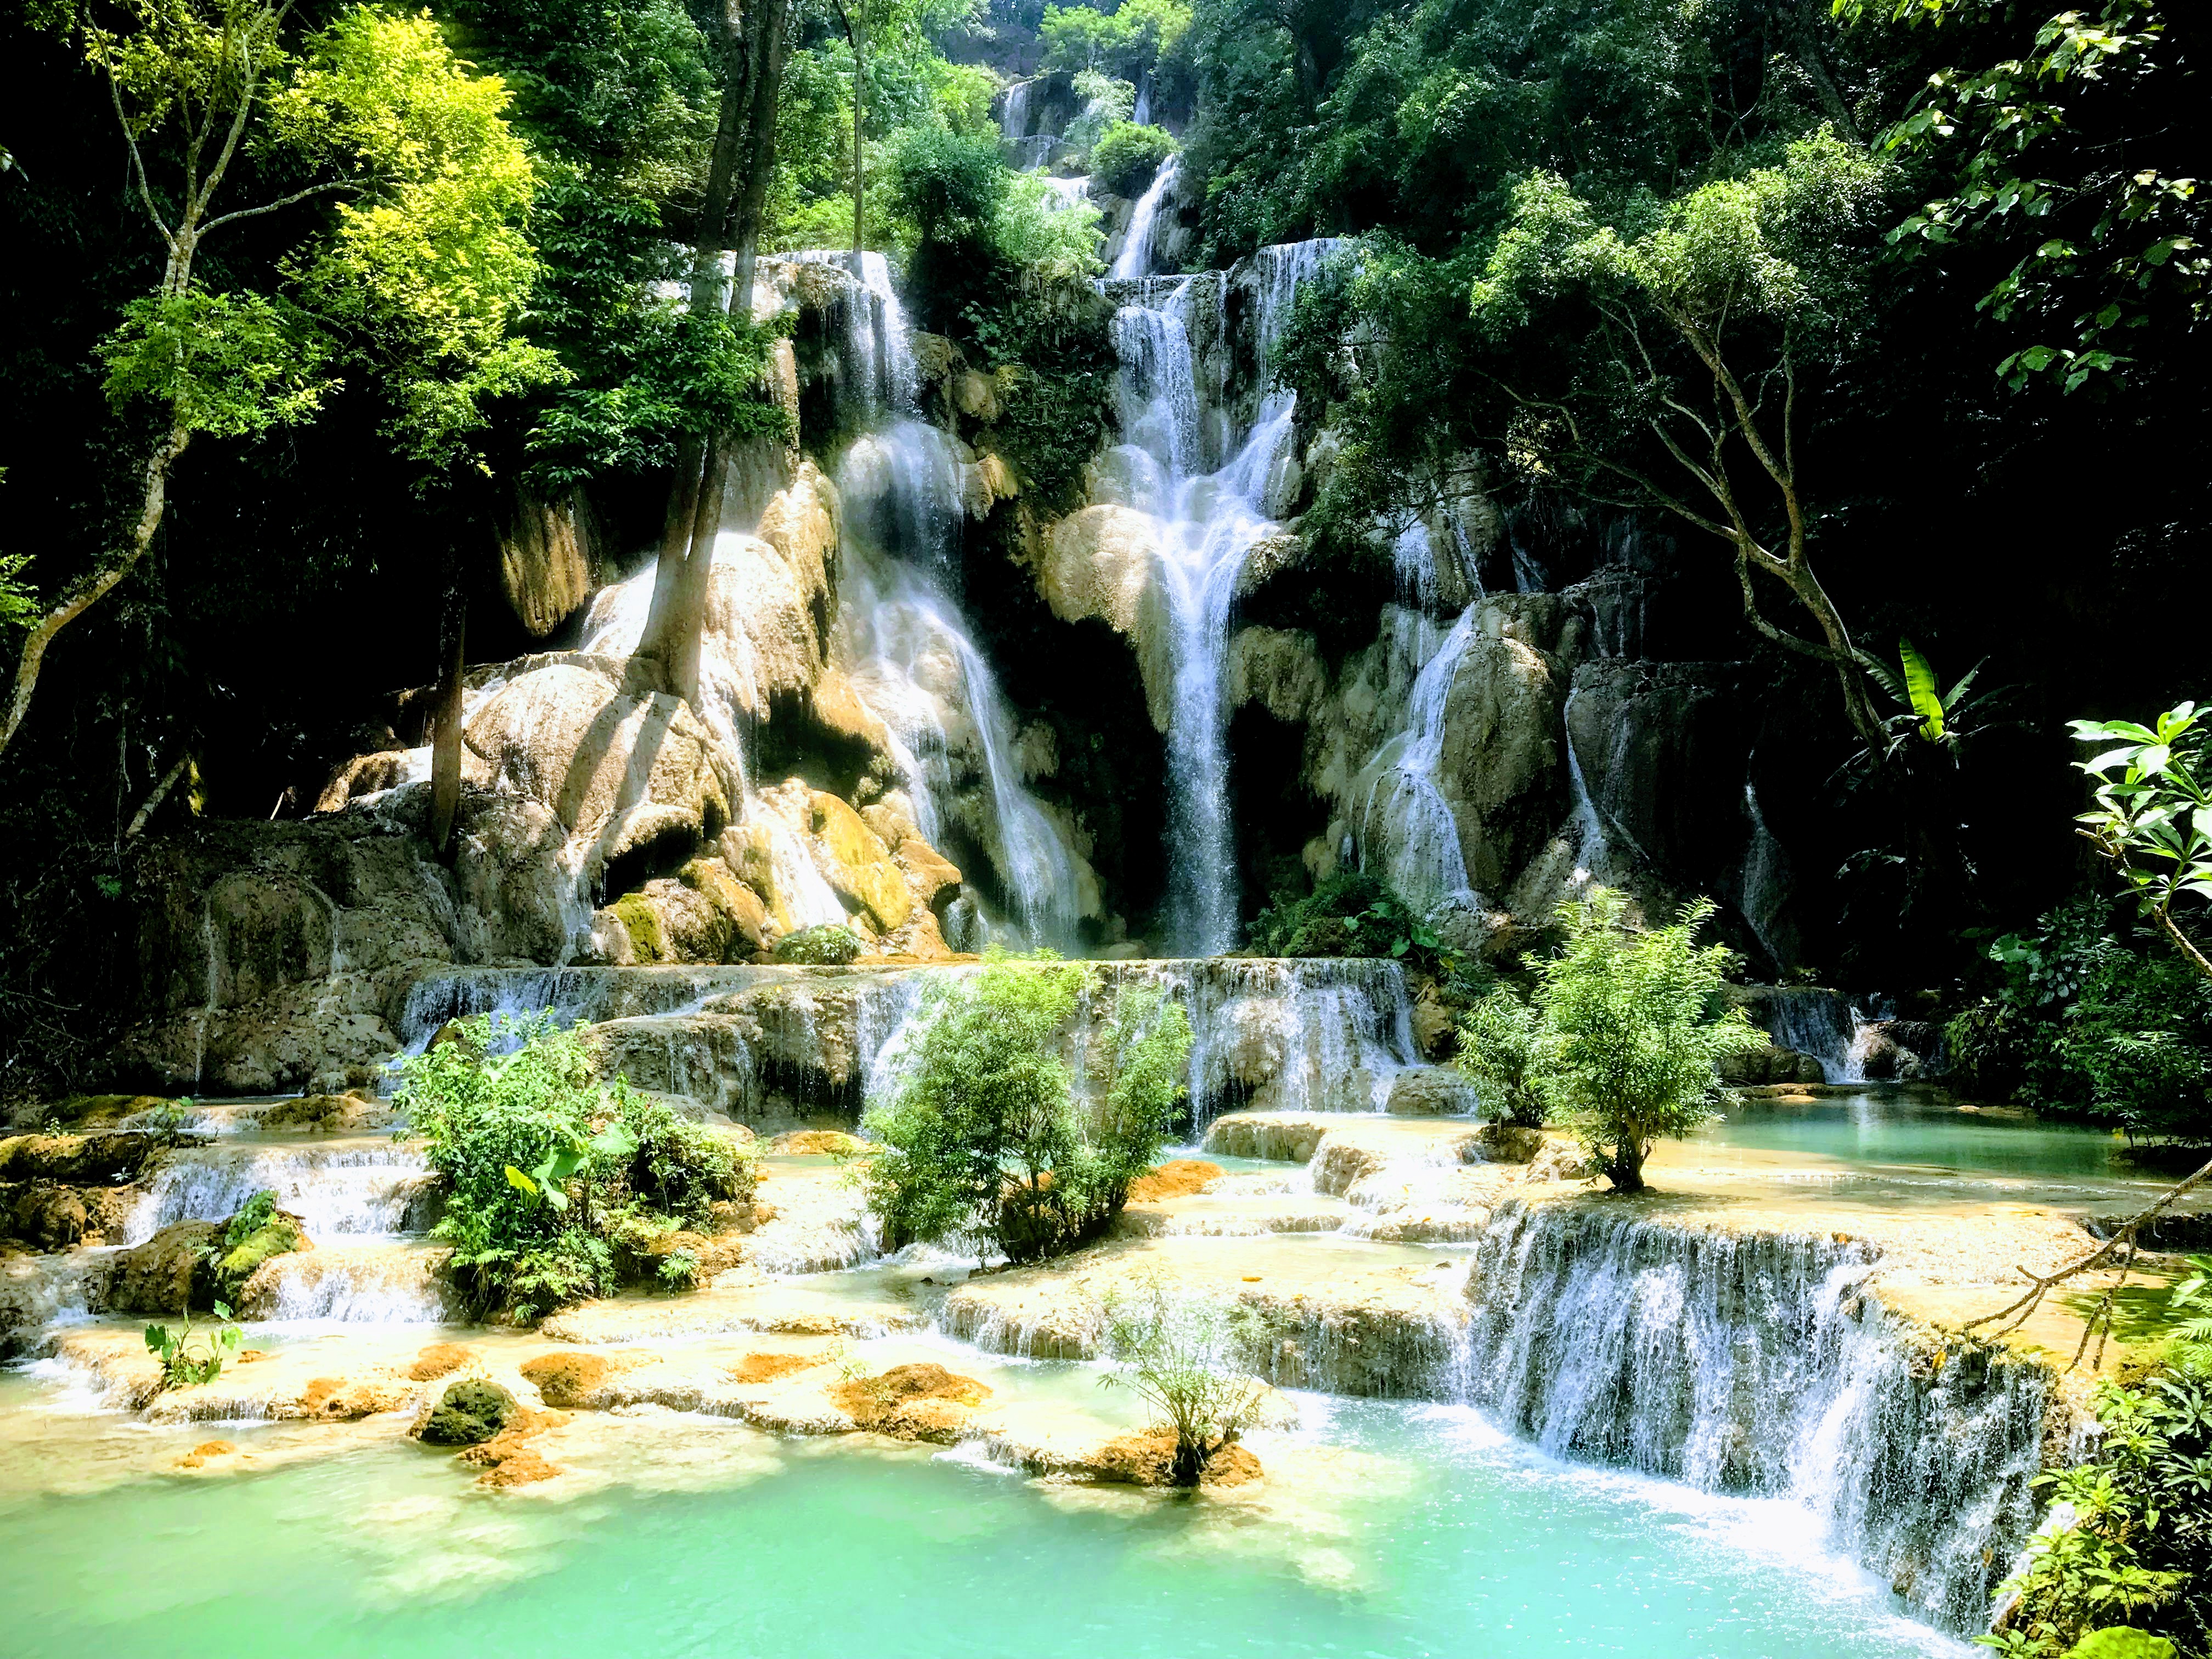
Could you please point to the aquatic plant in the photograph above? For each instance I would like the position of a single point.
(985, 1138)
(830, 945)
(547, 1169)
(188, 1360)
(1177, 1351)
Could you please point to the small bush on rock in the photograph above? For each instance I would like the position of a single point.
(546, 1170)
(830, 946)
(1127, 156)
(986, 1140)
(1178, 1352)
(1624, 1033)
(257, 1231)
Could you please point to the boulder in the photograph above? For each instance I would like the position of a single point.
(860, 867)
(164, 1275)
(468, 1414)
(572, 1379)
(1560, 1160)
(242, 1250)
(1148, 1460)
(1510, 1143)
(439, 1360)
(1099, 563)
(1278, 669)
(1430, 1091)
(83, 1160)
(933, 879)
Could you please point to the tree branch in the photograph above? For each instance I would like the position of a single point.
(281, 202)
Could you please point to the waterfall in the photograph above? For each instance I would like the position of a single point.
(1142, 114)
(878, 344)
(1816, 1023)
(915, 664)
(377, 1188)
(1206, 526)
(1135, 258)
(1068, 192)
(1416, 835)
(903, 494)
(1759, 1364)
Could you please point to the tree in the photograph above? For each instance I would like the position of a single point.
(984, 1139)
(2070, 156)
(1501, 1051)
(416, 276)
(1630, 1027)
(1178, 1351)
(750, 48)
(1701, 325)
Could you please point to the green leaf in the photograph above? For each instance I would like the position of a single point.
(615, 1141)
(1920, 688)
(521, 1182)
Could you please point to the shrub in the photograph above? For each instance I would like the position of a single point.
(831, 945)
(1127, 156)
(1179, 1353)
(545, 1169)
(1352, 914)
(188, 1360)
(1499, 1045)
(1627, 1028)
(2139, 1542)
(985, 1139)
(249, 1238)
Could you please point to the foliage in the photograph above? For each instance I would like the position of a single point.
(1047, 242)
(2153, 815)
(1107, 103)
(1177, 1351)
(1501, 1050)
(2063, 158)
(187, 1361)
(1132, 39)
(985, 1139)
(2141, 1539)
(1055, 409)
(230, 365)
(1127, 156)
(1942, 720)
(545, 1168)
(1352, 915)
(831, 944)
(1632, 1024)
(428, 267)
(19, 600)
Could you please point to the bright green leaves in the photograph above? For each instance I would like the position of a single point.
(1127, 156)
(2071, 135)
(187, 1362)
(2153, 814)
(183, 61)
(1921, 691)
(19, 600)
(429, 266)
(229, 364)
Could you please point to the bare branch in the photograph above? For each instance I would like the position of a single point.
(138, 163)
(271, 207)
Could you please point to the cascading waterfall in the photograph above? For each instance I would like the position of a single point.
(372, 1189)
(1206, 525)
(880, 349)
(1758, 1364)
(1135, 258)
(1404, 813)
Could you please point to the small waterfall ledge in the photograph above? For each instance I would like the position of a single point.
(1746, 1360)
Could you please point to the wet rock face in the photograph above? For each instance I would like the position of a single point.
(96, 1159)
(163, 1275)
(469, 1412)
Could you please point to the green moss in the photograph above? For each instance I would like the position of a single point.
(257, 1232)
(831, 944)
(644, 921)
(471, 1412)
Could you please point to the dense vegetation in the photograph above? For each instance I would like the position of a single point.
(557, 1186)
(987, 1141)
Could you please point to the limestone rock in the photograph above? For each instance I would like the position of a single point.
(921, 1402)
(1278, 669)
(545, 559)
(98, 1159)
(1176, 1178)
(163, 1275)
(860, 867)
(1510, 1142)
(1430, 1091)
(1148, 1460)
(572, 1379)
(439, 1360)
(468, 1414)
(1100, 562)
(1560, 1160)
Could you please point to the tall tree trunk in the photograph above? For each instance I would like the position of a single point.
(853, 32)
(81, 594)
(445, 734)
(752, 47)
(1802, 21)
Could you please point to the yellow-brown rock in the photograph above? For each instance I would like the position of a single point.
(862, 870)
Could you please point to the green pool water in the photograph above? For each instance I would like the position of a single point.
(1385, 1531)
(1906, 1140)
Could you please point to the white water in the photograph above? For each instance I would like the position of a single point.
(1406, 831)
(880, 349)
(1206, 525)
(350, 1188)
(1135, 258)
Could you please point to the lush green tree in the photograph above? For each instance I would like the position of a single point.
(557, 1185)
(1127, 156)
(1631, 1024)
(2068, 154)
(1501, 1050)
(984, 1139)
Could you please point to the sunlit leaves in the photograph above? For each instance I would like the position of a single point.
(230, 365)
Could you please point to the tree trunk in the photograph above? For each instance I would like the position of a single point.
(445, 734)
(771, 51)
(80, 595)
(1625, 1170)
(1189, 1465)
(1802, 22)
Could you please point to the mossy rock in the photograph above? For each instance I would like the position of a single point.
(2119, 1642)
(469, 1413)
(829, 946)
(637, 915)
(242, 1248)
